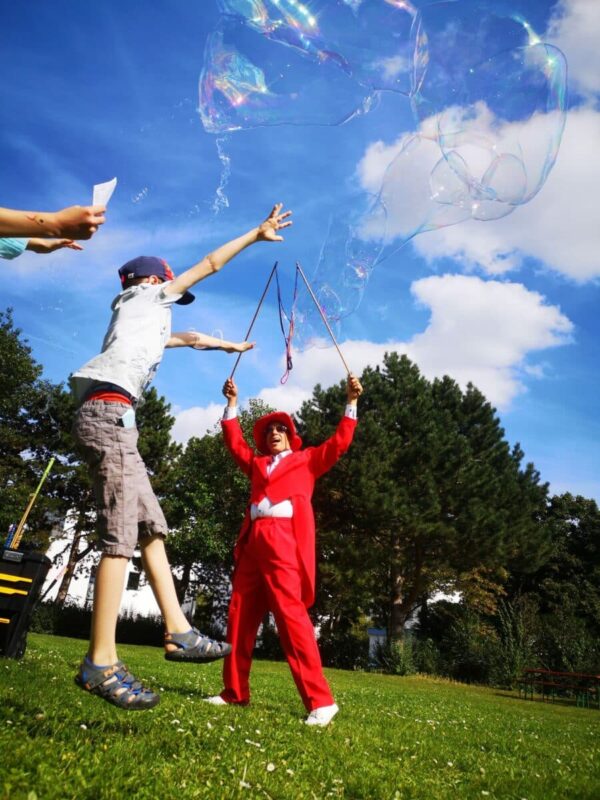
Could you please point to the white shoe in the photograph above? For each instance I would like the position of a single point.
(217, 700)
(322, 716)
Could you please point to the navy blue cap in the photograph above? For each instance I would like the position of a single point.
(144, 266)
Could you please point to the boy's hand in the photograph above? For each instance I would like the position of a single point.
(267, 231)
(230, 390)
(355, 389)
(239, 347)
(50, 245)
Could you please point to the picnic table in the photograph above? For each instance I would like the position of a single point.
(560, 685)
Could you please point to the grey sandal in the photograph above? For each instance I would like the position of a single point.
(116, 685)
(195, 648)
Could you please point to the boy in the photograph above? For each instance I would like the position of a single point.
(107, 389)
(275, 553)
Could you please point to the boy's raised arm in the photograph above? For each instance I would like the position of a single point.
(267, 231)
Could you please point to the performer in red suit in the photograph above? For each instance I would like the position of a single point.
(275, 552)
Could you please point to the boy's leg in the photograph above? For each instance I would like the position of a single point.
(158, 570)
(247, 608)
(109, 451)
(182, 643)
(108, 589)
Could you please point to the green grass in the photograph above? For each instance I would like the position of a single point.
(395, 738)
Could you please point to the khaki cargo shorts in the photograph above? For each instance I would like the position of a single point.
(126, 504)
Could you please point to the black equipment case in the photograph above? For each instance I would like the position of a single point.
(22, 575)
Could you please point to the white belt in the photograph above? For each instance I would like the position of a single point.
(265, 508)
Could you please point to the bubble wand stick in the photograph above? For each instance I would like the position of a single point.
(323, 317)
(18, 534)
(260, 302)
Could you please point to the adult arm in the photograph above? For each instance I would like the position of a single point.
(74, 222)
(267, 231)
(232, 433)
(323, 457)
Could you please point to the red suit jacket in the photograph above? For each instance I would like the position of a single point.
(292, 479)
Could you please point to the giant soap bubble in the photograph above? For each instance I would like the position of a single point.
(490, 108)
(269, 59)
(345, 264)
(487, 95)
(496, 95)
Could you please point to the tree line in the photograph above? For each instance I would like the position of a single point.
(430, 499)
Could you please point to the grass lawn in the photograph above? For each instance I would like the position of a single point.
(394, 738)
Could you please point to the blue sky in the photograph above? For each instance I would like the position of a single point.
(92, 92)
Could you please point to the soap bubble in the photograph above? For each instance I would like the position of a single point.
(487, 95)
(268, 60)
(490, 122)
(309, 328)
(251, 79)
(496, 95)
(352, 246)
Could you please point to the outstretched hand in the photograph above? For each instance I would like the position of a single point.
(50, 245)
(238, 347)
(230, 389)
(355, 388)
(276, 221)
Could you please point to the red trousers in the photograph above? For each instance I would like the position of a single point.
(267, 578)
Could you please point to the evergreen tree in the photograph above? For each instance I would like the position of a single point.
(30, 434)
(429, 490)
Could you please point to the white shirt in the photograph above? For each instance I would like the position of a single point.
(266, 508)
(134, 343)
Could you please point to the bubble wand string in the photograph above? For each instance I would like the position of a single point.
(260, 302)
(323, 317)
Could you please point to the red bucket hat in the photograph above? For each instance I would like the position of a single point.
(261, 425)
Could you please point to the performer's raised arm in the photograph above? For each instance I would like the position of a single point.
(232, 432)
(323, 457)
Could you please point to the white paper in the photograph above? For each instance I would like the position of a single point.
(103, 192)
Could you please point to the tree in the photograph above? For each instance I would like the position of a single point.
(158, 451)
(429, 490)
(29, 433)
(570, 577)
(566, 587)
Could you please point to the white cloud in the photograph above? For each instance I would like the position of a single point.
(196, 421)
(483, 332)
(392, 66)
(575, 28)
(480, 331)
(558, 227)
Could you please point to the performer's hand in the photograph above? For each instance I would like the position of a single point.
(355, 388)
(230, 390)
(267, 231)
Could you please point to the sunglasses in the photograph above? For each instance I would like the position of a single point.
(277, 427)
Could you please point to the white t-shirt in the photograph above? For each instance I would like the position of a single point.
(134, 343)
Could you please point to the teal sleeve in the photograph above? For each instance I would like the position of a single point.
(11, 248)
